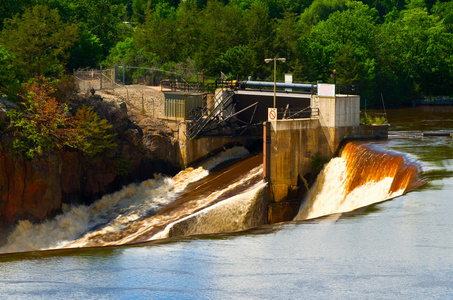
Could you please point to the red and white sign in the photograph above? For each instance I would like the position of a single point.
(272, 114)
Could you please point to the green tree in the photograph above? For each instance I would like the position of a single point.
(45, 124)
(221, 30)
(9, 8)
(86, 52)
(259, 37)
(90, 134)
(444, 10)
(287, 33)
(345, 42)
(140, 7)
(236, 61)
(8, 79)
(188, 28)
(385, 6)
(415, 53)
(102, 19)
(158, 34)
(100, 25)
(320, 10)
(39, 41)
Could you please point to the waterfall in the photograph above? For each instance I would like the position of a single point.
(203, 200)
(361, 176)
(115, 218)
(240, 212)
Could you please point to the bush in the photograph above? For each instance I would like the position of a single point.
(44, 124)
(373, 120)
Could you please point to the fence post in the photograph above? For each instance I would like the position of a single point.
(124, 74)
(143, 105)
(100, 87)
(114, 75)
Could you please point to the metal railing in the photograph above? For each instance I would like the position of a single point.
(347, 89)
(221, 100)
(297, 113)
(181, 86)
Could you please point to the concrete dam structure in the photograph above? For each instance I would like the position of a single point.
(291, 148)
(226, 185)
(307, 128)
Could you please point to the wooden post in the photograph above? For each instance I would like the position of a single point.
(124, 74)
(143, 105)
(266, 151)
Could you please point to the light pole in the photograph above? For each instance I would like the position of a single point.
(268, 60)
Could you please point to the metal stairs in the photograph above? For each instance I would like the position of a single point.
(223, 97)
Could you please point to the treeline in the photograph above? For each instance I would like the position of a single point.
(402, 50)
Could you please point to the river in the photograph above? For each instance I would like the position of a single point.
(401, 248)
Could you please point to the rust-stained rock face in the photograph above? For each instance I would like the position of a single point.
(36, 190)
(28, 190)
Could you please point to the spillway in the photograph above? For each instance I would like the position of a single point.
(151, 209)
(215, 197)
(361, 176)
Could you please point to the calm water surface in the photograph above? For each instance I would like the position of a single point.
(401, 248)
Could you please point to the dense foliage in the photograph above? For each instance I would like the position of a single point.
(399, 49)
(45, 124)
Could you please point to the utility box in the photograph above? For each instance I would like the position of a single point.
(183, 105)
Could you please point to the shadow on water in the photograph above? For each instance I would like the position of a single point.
(111, 251)
(94, 252)
(359, 213)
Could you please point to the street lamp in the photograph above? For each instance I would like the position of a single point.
(268, 60)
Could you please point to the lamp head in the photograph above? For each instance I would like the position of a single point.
(268, 60)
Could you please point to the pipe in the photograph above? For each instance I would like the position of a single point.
(284, 85)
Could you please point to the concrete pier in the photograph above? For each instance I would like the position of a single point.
(292, 148)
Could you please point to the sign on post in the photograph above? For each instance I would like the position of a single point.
(272, 114)
(326, 90)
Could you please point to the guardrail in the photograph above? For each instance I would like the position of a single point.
(297, 113)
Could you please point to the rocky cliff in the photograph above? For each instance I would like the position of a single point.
(36, 190)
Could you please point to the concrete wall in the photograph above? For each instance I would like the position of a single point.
(295, 143)
(339, 111)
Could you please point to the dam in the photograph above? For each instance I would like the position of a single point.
(239, 188)
(311, 122)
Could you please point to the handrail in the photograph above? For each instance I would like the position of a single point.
(222, 97)
(292, 113)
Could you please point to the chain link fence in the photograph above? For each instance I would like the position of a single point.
(124, 75)
(97, 79)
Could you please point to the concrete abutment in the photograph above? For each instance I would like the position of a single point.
(294, 149)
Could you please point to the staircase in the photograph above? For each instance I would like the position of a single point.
(223, 97)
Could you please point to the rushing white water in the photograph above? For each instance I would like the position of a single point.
(242, 211)
(112, 212)
(330, 195)
(142, 228)
(232, 199)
